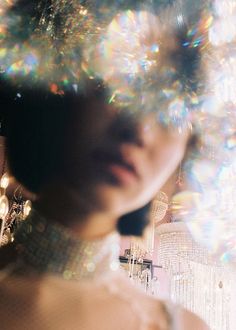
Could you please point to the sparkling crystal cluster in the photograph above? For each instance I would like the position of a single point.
(212, 170)
(138, 50)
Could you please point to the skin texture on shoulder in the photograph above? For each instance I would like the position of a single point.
(190, 321)
(177, 317)
(49, 302)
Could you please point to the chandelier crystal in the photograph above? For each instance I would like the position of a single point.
(197, 281)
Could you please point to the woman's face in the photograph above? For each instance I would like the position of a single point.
(116, 162)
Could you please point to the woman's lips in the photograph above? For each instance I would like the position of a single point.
(116, 166)
(122, 173)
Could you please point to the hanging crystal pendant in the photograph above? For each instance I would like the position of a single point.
(27, 208)
(4, 182)
(159, 207)
(4, 208)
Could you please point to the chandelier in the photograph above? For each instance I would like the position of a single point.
(197, 281)
(143, 248)
(11, 212)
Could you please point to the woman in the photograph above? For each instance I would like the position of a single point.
(61, 271)
(93, 168)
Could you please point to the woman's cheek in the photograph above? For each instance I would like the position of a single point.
(165, 158)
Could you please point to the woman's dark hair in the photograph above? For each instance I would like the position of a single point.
(37, 122)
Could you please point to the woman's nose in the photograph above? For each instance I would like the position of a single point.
(127, 128)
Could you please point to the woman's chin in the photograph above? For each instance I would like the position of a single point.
(117, 200)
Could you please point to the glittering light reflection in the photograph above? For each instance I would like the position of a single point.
(213, 169)
(197, 35)
(51, 51)
(222, 32)
(224, 8)
(135, 58)
(130, 44)
(137, 53)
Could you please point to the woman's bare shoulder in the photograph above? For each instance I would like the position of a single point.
(189, 320)
(181, 318)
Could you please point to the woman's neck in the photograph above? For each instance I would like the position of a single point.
(46, 246)
(69, 210)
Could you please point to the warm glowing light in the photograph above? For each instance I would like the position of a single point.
(4, 206)
(27, 208)
(4, 182)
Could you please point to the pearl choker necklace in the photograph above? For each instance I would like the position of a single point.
(47, 246)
